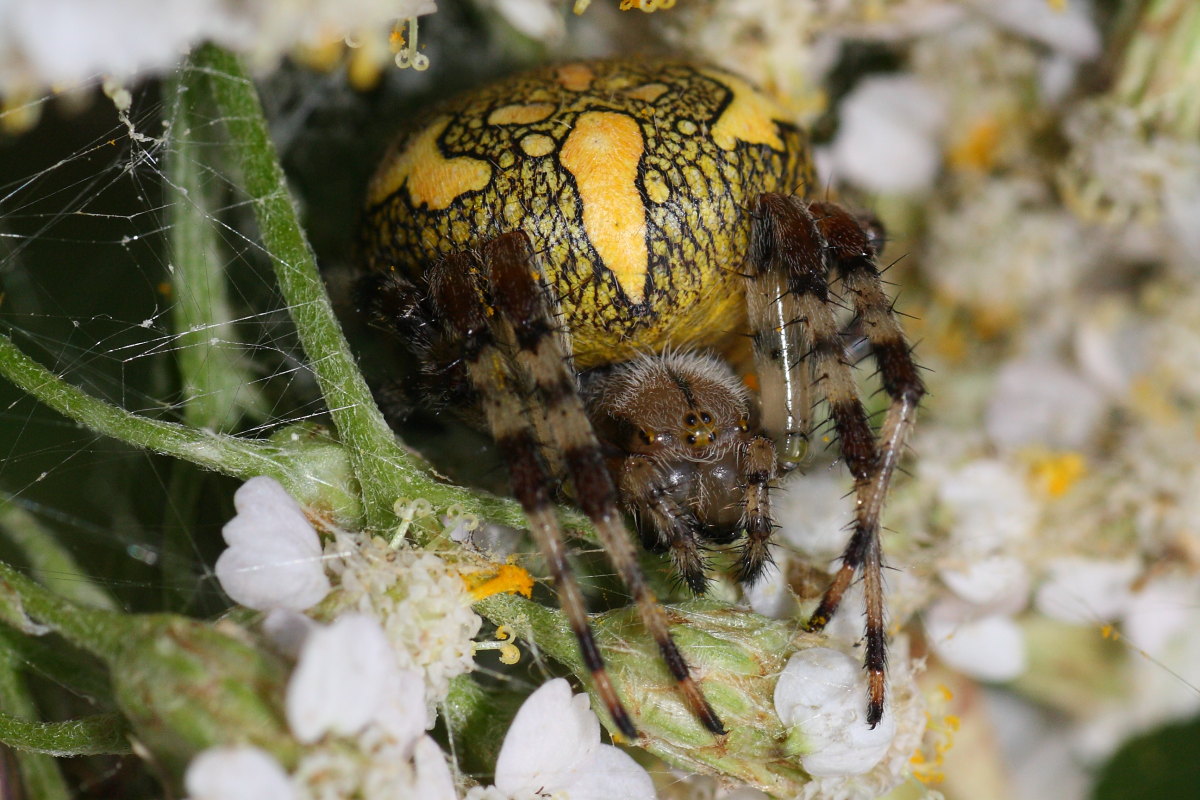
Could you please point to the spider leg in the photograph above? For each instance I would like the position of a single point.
(785, 238)
(524, 321)
(674, 528)
(853, 252)
(467, 317)
(758, 466)
(779, 347)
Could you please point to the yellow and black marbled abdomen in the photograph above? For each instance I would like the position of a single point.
(632, 178)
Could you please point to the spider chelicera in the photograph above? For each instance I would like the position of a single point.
(586, 258)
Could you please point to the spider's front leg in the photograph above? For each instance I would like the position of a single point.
(510, 341)
(792, 245)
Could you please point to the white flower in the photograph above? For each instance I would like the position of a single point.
(347, 678)
(990, 647)
(990, 505)
(770, 595)
(1064, 27)
(999, 583)
(1086, 591)
(889, 136)
(553, 749)
(434, 781)
(237, 773)
(45, 42)
(813, 514)
(274, 554)
(419, 599)
(821, 697)
(1040, 401)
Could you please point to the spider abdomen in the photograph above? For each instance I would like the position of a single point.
(632, 180)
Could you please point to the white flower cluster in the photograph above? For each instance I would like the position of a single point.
(63, 42)
(418, 599)
(362, 694)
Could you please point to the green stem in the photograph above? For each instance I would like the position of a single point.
(385, 472)
(48, 559)
(70, 667)
(217, 385)
(39, 774)
(230, 455)
(24, 604)
(102, 734)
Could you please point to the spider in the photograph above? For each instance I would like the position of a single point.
(585, 258)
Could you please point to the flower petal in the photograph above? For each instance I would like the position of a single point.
(611, 774)
(341, 679)
(553, 735)
(989, 647)
(821, 697)
(236, 773)
(434, 781)
(274, 554)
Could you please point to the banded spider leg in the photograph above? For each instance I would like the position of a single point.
(792, 249)
(503, 320)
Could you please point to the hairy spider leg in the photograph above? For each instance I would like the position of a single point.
(785, 239)
(524, 319)
(853, 254)
(674, 527)
(759, 460)
(467, 313)
(779, 344)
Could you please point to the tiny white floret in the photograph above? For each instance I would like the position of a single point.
(553, 749)
(274, 554)
(434, 781)
(989, 647)
(1086, 591)
(237, 773)
(821, 699)
(347, 678)
(997, 583)
(889, 140)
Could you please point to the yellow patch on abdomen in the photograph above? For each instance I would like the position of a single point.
(432, 179)
(602, 152)
(521, 114)
(750, 117)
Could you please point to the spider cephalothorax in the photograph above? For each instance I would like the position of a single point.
(578, 255)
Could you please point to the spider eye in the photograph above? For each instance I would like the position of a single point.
(705, 418)
(690, 420)
(691, 438)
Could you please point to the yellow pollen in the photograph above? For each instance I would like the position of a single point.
(602, 153)
(432, 179)
(978, 148)
(505, 579)
(1054, 473)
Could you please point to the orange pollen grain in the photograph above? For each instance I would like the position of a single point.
(506, 579)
